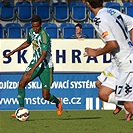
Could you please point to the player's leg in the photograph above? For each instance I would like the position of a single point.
(106, 84)
(23, 82)
(127, 91)
(124, 91)
(129, 106)
(21, 88)
(46, 78)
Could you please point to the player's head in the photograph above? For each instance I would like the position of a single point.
(78, 28)
(36, 23)
(95, 3)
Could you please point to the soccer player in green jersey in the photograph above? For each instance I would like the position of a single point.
(40, 66)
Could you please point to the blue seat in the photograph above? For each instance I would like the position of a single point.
(88, 29)
(114, 5)
(13, 30)
(73, 3)
(7, 12)
(1, 31)
(67, 30)
(51, 29)
(78, 11)
(1, 4)
(24, 11)
(91, 15)
(61, 12)
(27, 27)
(43, 10)
(128, 8)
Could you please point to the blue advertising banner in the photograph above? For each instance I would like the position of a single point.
(77, 90)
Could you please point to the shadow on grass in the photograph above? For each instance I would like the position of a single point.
(81, 118)
(67, 118)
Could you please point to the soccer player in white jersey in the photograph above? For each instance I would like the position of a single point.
(113, 27)
(41, 64)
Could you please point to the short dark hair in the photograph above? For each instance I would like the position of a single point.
(96, 3)
(36, 18)
(78, 25)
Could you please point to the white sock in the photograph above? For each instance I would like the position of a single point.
(111, 98)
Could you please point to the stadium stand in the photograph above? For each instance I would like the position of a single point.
(67, 30)
(26, 28)
(24, 11)
(1, 31)
(78, 11)
(52, 29)
(90, 15)
(61, 12)
(128, 8)
(13, 30)
(1, 4)
(21, 12)
(43, 10)
(7, 12)
(114, 5)
(88, 29)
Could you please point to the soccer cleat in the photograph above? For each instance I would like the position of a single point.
(59, 109)
(117, 110)
(128, 117)
(13, 115)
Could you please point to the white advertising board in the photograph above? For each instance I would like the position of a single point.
(67, 56)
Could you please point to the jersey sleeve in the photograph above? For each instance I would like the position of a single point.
(105, 31)
(45, 41)
(128, 21)
(29, 38)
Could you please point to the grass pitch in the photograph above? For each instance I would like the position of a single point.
(70, 122)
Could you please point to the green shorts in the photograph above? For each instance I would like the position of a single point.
(45, 75)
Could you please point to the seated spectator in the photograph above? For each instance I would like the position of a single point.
(40, 0)
(78, 32)
(56, 1)
(68, 1)
(125, 1)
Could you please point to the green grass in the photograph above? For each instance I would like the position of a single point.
(69, 122)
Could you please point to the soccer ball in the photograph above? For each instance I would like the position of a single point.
(22, 114)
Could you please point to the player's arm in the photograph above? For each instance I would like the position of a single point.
(131, 35)
(21, 47)
(129, 23)
(109, 47)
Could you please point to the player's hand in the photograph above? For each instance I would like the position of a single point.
(90, 52)
(9, 54)
(97, 49)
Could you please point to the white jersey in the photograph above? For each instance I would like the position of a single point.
(113, 25)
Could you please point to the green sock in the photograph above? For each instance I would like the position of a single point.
(21, 96)
(53, 99)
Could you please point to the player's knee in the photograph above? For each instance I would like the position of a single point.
(22, 84)
(97, 84)
(102, 96)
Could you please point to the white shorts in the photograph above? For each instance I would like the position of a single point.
(108, 76)
(124, 87)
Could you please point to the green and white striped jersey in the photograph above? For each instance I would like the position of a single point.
(40, 42)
